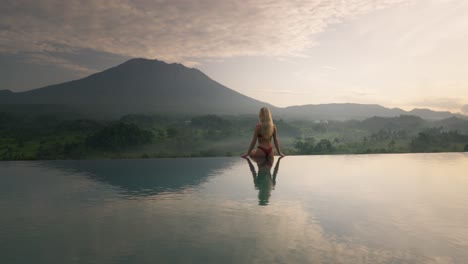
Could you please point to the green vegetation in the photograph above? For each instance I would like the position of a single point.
(119, 136)
(24, 137)
(434, 140)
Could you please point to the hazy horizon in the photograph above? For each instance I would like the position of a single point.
(395, 53)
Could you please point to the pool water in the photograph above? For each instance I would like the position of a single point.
(389, 208)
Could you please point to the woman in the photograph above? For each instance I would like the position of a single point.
(264, 131)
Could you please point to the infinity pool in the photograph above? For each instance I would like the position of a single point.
(401, 208)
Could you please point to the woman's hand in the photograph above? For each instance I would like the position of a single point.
(282, 154)
(245, 155)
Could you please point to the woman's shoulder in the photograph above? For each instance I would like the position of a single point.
(258, 128)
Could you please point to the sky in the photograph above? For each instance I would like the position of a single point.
(396, 53)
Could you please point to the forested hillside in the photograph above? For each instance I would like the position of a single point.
(25, 137)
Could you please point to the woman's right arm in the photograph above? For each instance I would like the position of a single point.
(275, 140)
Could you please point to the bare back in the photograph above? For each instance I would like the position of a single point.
(262, 140)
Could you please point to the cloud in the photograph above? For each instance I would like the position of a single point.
(173, 30)
(280, 91)
(331, 68)
(45, 59)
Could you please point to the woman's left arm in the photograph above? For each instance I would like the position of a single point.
(252, 143)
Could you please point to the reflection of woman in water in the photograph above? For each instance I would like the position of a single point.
(263, 180)
(264, 131)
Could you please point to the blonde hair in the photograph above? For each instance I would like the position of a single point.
(266, 122)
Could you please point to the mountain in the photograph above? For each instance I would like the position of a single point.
(141, 86)
(151, 86)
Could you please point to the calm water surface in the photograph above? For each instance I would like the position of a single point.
(408, 208)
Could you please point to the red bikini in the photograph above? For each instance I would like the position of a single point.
(267, 151)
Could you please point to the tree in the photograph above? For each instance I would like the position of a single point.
(119, 136)
(391, 145)
(434, 139)
(161, 134)
(306, 146)
(324, 146)
(171, 132)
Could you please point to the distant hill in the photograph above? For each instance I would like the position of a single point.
(453, 123)
(430, 114)
(348, 111)
(403, 122)
(345, 111)
(155, 87)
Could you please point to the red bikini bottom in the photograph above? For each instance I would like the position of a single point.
(267, 151)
